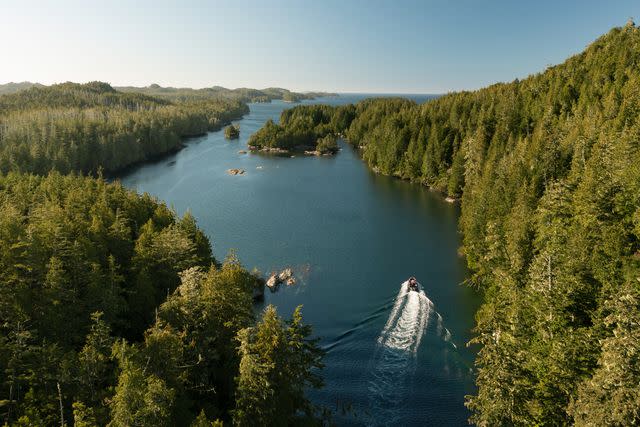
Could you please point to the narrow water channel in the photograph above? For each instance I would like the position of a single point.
(393, 357)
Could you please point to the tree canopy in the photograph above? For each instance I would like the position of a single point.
(91, 127)
(115, 312)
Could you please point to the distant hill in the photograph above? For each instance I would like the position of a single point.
(242, 94)
(184, 93)
(75, 95)
(12, 87)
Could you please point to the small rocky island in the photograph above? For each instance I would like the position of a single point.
(276, 139)
(235, 171)
(273, 282)
(232, 132)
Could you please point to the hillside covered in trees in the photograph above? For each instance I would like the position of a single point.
(240, 94)
(115, 312)
(548, 172)
(74, 127)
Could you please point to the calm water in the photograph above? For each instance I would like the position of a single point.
(354, 237)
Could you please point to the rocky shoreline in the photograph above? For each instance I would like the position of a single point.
(309, 151)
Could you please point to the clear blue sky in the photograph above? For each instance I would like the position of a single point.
(334, 45)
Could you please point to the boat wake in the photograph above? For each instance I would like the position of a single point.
(407, 322)
(394, 361)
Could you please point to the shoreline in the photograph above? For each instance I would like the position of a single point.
(113, 175)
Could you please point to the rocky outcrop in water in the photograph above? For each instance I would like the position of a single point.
(235, 171)
(272, 150)
(276, 279)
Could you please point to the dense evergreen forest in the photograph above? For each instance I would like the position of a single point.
(548, 172)
(115, 312)
(73, 127)
(301, 128)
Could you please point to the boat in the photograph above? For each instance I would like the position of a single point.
(413, 284)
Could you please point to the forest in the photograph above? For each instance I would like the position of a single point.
(301, 128)
(547, 170)
(115, 312)
(91, 127)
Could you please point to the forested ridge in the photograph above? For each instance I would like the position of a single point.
(548, 172)
(88, 127)
(242, 94)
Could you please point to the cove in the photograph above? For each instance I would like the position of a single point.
(353, 237)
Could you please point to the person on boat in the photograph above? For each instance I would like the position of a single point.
(413, 284)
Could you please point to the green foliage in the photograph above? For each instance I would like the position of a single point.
(208, 309)
(83, 416)
(202, 421)
(85, 128)
(302, 127)
(232, 132)
(278, 362)
(142, 398)
(327, 145)
(72, 247)
(290, 97)
(114, 311)
(611, 396)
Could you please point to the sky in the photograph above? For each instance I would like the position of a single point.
(368, 46)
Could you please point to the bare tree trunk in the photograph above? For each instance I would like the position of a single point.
(61, 408)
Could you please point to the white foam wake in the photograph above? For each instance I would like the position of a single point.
(398, 343)
(407, 322)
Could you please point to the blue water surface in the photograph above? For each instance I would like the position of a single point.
(352, 237)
